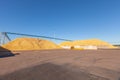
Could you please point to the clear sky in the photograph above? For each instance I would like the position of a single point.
(70, 19)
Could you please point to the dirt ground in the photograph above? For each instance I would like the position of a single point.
(61, 65)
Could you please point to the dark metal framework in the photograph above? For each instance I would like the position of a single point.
(38, 36)
(4, 36)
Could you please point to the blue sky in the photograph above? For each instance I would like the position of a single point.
(70, 19)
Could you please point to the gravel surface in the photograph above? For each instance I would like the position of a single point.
(61, 65)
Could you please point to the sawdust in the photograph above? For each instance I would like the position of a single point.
(30, 44)
(67, 43)
(93, 42)
(3, 49)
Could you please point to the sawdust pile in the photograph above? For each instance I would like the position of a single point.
(92, 42)
(67, 43)
(3, 49)
(30, 44)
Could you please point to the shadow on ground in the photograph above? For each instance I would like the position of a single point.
(49, 71)
(5, 52)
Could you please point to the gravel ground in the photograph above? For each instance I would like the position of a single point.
(61, 65)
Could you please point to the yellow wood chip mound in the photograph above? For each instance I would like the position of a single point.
(66, 43)
(30, 44)
(93, 42)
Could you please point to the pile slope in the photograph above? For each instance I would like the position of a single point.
(3, 49)
(66, 43)
(93, 42)
(30, 44)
